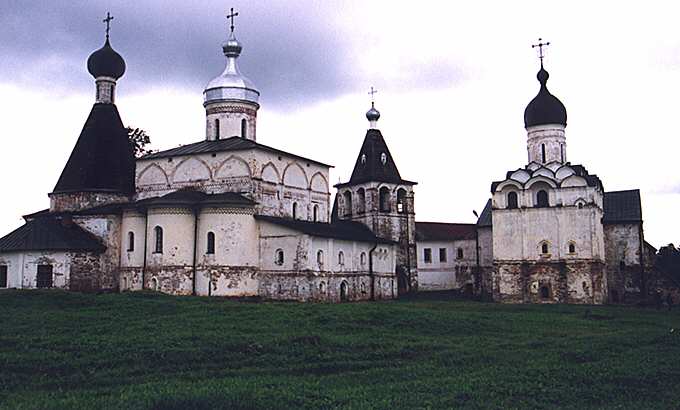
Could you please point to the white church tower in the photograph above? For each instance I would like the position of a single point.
(231, 99)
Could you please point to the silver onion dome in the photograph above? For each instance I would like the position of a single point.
(231, 84)
(373, 114)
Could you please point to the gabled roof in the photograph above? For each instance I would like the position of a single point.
(622, 206)
(369, 166)
(485, 217)
(345, 230)
(223, 145)
(50, 233)
(535, 169)
(440, 231)
(102, 159)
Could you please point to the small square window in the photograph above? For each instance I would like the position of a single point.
(442, 254)
(427, 255)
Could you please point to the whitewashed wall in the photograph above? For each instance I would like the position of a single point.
(438, 275)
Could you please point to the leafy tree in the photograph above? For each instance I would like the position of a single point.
(668, 261)
(139, 140)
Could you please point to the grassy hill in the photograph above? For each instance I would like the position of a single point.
(150, 351)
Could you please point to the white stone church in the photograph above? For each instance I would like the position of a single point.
(228, 216)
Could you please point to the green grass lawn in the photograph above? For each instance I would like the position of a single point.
(150, 351)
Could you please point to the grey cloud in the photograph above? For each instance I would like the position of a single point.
(289, 51)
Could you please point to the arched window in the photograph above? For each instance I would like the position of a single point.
(542, 199)
(362, 259)
(211, 243)
(341, 258)
(562, 152)
(319, 257)
(384, 199)
(361, 199)
(572, 247)
(295, 206)
(278, 257)
(316, 213)
(158, 231)
(459, 253)
(543, 152)
(154, 284)
(131, 242)
(348, 202)
(322, 287)
(217, 128)
(545, 249)
(401, 201)
(512, 200)
(244, 128)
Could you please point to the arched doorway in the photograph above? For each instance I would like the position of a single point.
(344, 291)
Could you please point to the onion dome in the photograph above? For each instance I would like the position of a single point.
(106, 62)
(372, 115)
(231, 84)
(545, 108)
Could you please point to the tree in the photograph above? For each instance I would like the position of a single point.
(668, 261)
(139, 140)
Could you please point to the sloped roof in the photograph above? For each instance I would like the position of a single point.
(102, 159)
(189, 197)
(227, 144)
(50, 233)
(371, 167)
(622, 206)
(346, 230)
(485, 217)
(440, 231)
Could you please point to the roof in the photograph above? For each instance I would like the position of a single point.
(485, 217)
(222, 145)
(50, 233)
(440, 231)
(370, 167)
(622, 206)
(345, 230)
(102, 159)
(106, 62)
(190, 197)
(545, 108)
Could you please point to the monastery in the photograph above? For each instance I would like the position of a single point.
(229, 216)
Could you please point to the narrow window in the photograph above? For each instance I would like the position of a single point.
(512, 200)
(348, 203)
(384, 199)
(361, 198)
(442, 254)
(427, 255)
(572, 248)
(294, 210)
(459, 253)
(111, 93)
(316, 213)
(3, 276)
(363, 258)
(544, 248)
(622, 266)
(44, 276)
(319, 257)
(383, 158)
(131, 242)
(211, 244)
(401, 201)
(542, 199)
(244, 128)
(159, 239)
(341, 258)
(278, 258)
(543, 152)
(217, 128)
(562, 152)
(322, 287)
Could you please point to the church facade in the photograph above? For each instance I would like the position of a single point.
(225, 216)
(229, 216)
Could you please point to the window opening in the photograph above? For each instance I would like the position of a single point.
(217, 128)
(361, 198)
(316, 213)
(542, 199)
(279, 257)
(572, 248)
(543, 152)
(348, 203)
(401, 201)
(459, 253)
(244, 128)
(544, 248)
(295, 206)
(159, 239)
(442, 254)
(131, 242)
(427, 255)
(211, 244)
(512, 200)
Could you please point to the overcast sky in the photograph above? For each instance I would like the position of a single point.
(453, 81)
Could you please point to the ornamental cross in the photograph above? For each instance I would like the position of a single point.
(372, 93)
(231, 16)
(540, 46)
(107, 20)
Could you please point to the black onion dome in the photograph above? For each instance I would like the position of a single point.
(545, 108)
(106, 62)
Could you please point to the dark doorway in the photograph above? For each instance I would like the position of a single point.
(44, 277)
(545, 292)
(469, 290)
(3, 276)
(402, 280)
(344, 289)
(615, 296)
